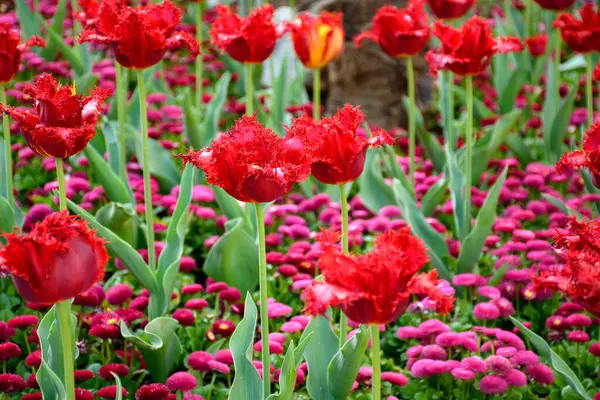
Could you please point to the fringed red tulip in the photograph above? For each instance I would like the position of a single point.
(555, 5)
(581, 35)
(450, 9)
(11, 50)
(589, 155)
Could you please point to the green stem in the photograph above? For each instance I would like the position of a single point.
(507, 18)
(588, 89)
(74, 10)
(121, 83)
(376, 363)
(316, 94)
(411, 118)
(199, 59)
(7, 151)
(344, 201)
(450, 128)
(557, 49)
(469, 152)
(146, 168)
(528, 12)
(264, 318)
(62, 187)
(63, 315)
(249, 90)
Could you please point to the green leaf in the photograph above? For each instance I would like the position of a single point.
(287, 376)
(121, 219)
(480, 110)
(436, 244)
(498, 275)
(517, 145)
(560, 204)
(119, 386)
(554, 133)
(557, 363)
(575, 63)
(472, 245)
(49, 53)
(457, 184)
(67, 52)
(429, 141)
(233, 259)
(28, 22)
(192, 121)
(515, 82)
(434, 197)
(50, 383)
(159, 345)
(343, 368)
(213, 111)
(227, 204)
(119, 248)
(318, 354)
(445, 81)
(373, 190)
(170, 257)
(110, 131)
(7, 219)
(396, 171)
(279, 101)
(247, 384)
(114, 187)
(501, 129)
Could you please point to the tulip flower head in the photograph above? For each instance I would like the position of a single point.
(581, 35)
(468, 50)
(59, 259)
(588, 157)
(399, 32)
(555, 5)
(11, 50)
(61, 122)
(252, 163)
(374, 288)
(450, 9)
(140, 36)
(249, 40)
(317, 40)
(537, 44)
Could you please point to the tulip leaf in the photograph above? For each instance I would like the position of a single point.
(110, 131)
(575, 63)
(50, 383)
(319, 352)
(436, 244)
(343, 368)
(247, 384)
(496, 279)
(557, 363)
(480, 110)
(121, 219)
(279, 100)
(501, 129)
(227, 204)
(67, 52)
(555, 132)
(113, 186)
(397, 172)
(560, 204)
(119, 248)
(434, 197)
(457, 182)
(514, 83)
(7, 219)
(49, 53)
(472, 245)
(28, 22)
(170, 257)
(213, 111)
(373, 190)
(159, 345)
(287, 376)
(445, 79)
(517, 145)
(192, 121)
(119, 386)
(233, 259)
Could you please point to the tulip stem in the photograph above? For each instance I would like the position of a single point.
(249, 90)
(588, 89)
(376, 363)
(121, 105)
(345, 247)
(199, 59)
(63, 315)
(528, 11)
(449, 119)
(146, 168)
(411, 118)
(10, 196)
(264, 316)
(62, 187)
(316, 94)
(469, 153)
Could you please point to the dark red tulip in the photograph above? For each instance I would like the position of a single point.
(250, 39)
(581, 35)
(139, 36)
(468, 51)
(61, 122)
(317, 39)
(555, 5)
(537, 44)
(399, 32)
(11, 50)
(374, 288)
(57, 248)
(450, 9)
(589, 155)
(251, 163)
(335, 145)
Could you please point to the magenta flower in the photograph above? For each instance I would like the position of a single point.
(486, 311)
(492, 384)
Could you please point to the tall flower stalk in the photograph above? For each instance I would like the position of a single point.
(375, 363)
(411, 118)
(345, 249)
(316, 94)
(121, 83)
(7, 151)
(249, 90)
(468, 152)
(199, 59)
(588, 89)
(264, 313)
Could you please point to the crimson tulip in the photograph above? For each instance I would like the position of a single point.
(249, 40)
(317, 40)
(399, 32)
(450, 9)
(61, 122)
(59, 259)
(589, 155)
(537, 44)
(11, 50)
(581, 35)
(139, 36)
(555, 5)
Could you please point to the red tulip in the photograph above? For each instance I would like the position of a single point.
(11, 50)
(588, 157)
(555, 4)
(582, 35)
(140, 36)
(251, 163)
(374, 288)
(399, 32)
(537, 44)
(318, 40)
(249, 40)
(468, 51)
(59, 259)
(450, 9)
(61, 122)
(337, 150)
